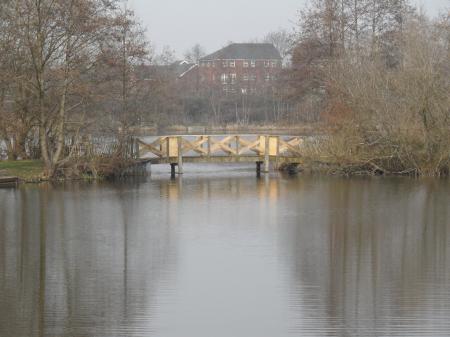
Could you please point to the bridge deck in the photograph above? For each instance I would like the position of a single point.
(222, 159)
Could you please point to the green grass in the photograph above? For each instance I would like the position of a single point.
(27, 170)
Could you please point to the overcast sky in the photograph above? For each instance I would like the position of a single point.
(212, 23)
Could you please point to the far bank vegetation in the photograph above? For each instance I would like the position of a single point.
(381, 70)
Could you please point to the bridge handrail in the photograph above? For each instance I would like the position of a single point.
(226, 145)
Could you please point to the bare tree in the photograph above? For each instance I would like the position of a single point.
(166, 57)
(195, 53)
(283, 41)
(50, 52)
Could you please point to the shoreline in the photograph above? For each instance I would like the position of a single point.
(35, 176)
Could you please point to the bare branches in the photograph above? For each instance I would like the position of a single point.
(51, 51)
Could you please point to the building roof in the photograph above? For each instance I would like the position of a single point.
(174, 70)
(181, 67)
(192, 67)
(245, 51)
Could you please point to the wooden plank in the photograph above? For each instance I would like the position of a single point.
(196, 146)
(180, 154)
(222, 145)
(224, 159)
(267, 154)
(8, 181)
(290, 146)
(209, 146)
(262, 144)
(248, 146)
(173, 147)
(149, 148)
(273, 145)
(277, 156)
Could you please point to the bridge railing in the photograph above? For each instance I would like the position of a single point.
(227, 145)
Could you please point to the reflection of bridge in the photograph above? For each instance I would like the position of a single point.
(282, 151)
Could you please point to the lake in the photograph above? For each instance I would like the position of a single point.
(221, 253)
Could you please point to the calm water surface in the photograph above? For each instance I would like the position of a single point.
(226, 255)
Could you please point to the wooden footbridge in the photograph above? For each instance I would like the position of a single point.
(281, 151)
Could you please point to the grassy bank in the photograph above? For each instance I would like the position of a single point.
(27, 170)
(93, 168)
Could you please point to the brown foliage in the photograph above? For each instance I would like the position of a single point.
(388, 107)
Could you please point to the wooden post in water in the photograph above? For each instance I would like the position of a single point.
(258, 168)
(172, 170)
(180, 155)
(266, 155)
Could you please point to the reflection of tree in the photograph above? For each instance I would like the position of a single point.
(369, 257)
(43, 205)
(366, 257)
(81, 261)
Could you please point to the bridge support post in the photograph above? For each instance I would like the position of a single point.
(258, 168)
(209, 146)
(180, 155)
(172, 170)
(266, 155)
(277, 158)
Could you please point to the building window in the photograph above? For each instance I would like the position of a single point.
(267, 78)
(266, 64)
(208, 64)
(233, 78)
(244, 91)
(245, 64)
(253, 77)
(224, 78)
(274, 64)
(232, 64)
(224, 64)
(245, 77)
(253, 63)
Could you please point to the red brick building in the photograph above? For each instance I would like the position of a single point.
(245, 68)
